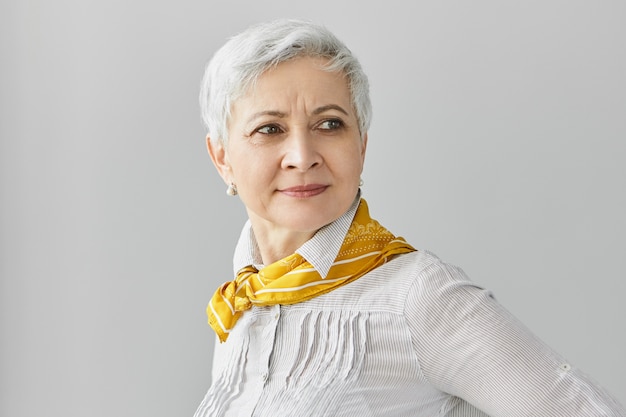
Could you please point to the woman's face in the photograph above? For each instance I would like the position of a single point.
(295, 151)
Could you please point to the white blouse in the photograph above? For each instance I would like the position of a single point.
(414, 337)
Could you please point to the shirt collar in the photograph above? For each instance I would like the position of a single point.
(320, 251)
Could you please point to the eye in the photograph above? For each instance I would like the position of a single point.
(330, 124)
(268, 130)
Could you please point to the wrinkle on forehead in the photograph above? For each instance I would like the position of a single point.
(331, 87)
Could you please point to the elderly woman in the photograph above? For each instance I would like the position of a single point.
(330, 314)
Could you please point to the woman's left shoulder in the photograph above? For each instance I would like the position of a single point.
(426, 267)
(426, 279)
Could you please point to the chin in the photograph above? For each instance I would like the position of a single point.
(311, 222)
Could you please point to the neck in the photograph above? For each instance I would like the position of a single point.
(274, 243)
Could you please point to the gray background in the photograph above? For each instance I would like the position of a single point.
(498, 142)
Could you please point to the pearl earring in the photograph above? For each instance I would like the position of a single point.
(361, 182)
(232, 189)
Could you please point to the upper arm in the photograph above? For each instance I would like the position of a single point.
(470, 346)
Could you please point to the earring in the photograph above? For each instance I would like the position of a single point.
(361, 182)
(232, 189)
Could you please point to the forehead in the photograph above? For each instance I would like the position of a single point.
(302, 81)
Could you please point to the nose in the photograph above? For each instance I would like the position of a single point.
(300, 152)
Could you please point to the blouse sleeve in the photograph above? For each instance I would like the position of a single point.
(468, 345)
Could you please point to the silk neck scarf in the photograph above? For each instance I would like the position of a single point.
(292, 280)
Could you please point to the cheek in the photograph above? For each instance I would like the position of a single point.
(355, 157)
(254, 172)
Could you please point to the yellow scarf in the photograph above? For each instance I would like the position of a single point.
(291, 280)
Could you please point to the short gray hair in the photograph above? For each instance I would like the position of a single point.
(237, 65)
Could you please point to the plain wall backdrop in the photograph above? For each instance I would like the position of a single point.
(498, 142)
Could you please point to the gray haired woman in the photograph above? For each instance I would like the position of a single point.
(329, 313)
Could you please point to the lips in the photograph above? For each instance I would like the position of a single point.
(304, 191)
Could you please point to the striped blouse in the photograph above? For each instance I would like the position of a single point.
(414, 337)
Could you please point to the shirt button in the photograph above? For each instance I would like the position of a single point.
(276, 316)
(264, 376)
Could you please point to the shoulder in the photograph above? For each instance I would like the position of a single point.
(438, 285)
(427, 287)
(425, 273)
(391, 287)
(433, 275)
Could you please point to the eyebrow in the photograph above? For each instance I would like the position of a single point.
(280, 114)
(322, 109)
(274, 113)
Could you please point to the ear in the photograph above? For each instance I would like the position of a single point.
(363, 149)
(218, 155)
